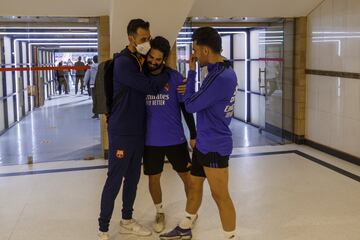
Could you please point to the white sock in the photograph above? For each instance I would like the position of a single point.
(230, 235)
(159, 208)
(188, 220)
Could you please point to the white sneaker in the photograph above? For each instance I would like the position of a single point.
(159, 224)
(103, 236)
(133, 227)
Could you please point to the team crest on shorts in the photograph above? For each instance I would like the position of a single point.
(120, 153)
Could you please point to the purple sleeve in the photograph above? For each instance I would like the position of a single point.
(205, 97)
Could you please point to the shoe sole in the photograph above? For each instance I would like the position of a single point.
(129, 232)
(177, 238)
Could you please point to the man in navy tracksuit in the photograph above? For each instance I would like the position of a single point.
(214, 105)
(126, 127)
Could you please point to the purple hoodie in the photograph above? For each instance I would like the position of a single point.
(214, 105)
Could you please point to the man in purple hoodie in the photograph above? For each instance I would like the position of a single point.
(214, 105)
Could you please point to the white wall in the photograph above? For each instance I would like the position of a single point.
(202, 8)
(166, 23)
(68, 8)
(333, 104)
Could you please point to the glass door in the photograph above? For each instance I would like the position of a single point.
(266, 80)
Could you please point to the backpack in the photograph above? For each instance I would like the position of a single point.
(103, 100)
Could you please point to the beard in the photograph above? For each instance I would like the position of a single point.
(152, 67)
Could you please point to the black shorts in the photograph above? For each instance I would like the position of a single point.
(154, 158)
(210, 160)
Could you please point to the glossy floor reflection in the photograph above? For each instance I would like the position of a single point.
(245, 135)
(62, 130)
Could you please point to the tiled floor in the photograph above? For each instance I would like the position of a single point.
(62, 130)
(278, 196)
(280, 191)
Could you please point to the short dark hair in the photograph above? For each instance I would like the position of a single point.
(161, 44)
(135, 24)
(95, 59)
(208, 36)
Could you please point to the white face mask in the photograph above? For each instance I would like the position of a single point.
(143, 48)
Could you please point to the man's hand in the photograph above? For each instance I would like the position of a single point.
(182, 87)
(193, 143)
(192, 62)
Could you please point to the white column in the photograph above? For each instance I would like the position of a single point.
(166, 18)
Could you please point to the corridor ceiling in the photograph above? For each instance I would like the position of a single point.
(200, 8)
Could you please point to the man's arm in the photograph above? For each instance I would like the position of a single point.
(190, 121)
(205, 97)
(127, 73)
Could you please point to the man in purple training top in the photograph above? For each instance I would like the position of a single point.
(165, 133)
(214, 105)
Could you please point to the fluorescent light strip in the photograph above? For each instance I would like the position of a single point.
(335, 37)
(271, 37)
(216, 27)
(56, 39)
(185, 33)
(183, 42)
(220, 32)
(326, 41)
(79, 43)
(272, 40)
(335, 32)
(271, 32)
(48, 33)
(180, 38)
(182, 45)
(271, 43)
(78, 46)
(27, 27)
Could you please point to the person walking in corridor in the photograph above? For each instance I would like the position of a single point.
(79, 75)
(90, 77)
